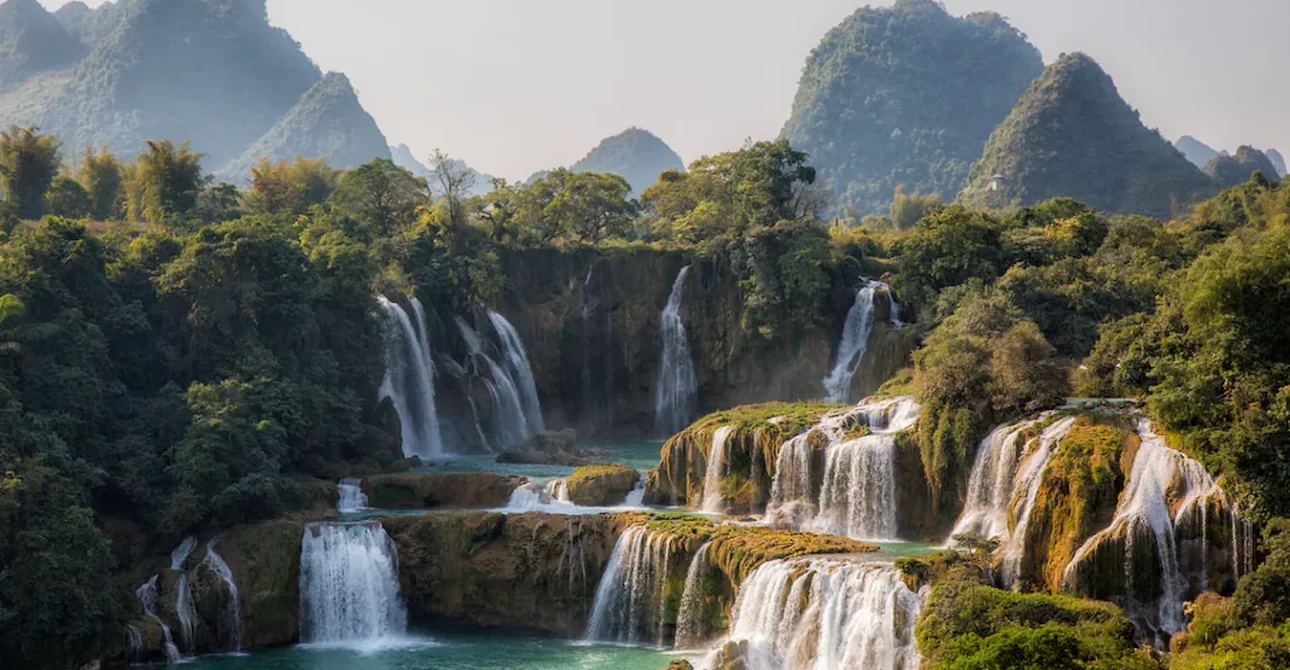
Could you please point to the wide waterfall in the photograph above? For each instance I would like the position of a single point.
(1160, 475)
(630, 604)
(825, 613)
(183, 599)
(990, 484)
(147, 595)
(676, 396)
(521, 371)
(349, 585)
(510, 424)
(352, 499)
(691, 622)
(712, 499)
(855, 340)
(409, 380)
(216, 565)
(857, 496)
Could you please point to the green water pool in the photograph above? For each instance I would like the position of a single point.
(450, 652)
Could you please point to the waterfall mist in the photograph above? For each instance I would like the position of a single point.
(676, 395)
(349, 586)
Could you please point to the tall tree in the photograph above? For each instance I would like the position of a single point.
(101, 174)
(170, 180)
(381, 195)
(29, 162)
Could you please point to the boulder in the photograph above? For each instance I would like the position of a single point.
(601, 485)
(551, 448)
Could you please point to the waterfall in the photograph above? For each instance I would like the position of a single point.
(352, 499)
(409, 381)
(215, 563)
(990, 484)
(676, 397)
(183, 599)
(1025, 488)
(630, 604)
(857, 496)
(510, 426)
(528, 497)
(636, 497)
(558, 490)
(713, 501)
(825, 614)
(349, 585)
(1159, 475)
(147, 595)
(135, 652)
(691, 624)
(852, 346)
(521, 371)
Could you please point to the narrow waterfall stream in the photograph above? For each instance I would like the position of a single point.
(520, 371)
(990, 484)
(691, 620)
(630, 605)
(675, 400)
(351, 499)
(409, 380)
(233, 612)
(183, 598)
(854, 343)
(1030, 475)
(349, 586)
(857, 493)
(713, 501)
(510, 423)
(823, 614)
(147, 595)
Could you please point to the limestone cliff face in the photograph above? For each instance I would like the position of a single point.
(591, 322)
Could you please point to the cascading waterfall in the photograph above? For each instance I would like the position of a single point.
(824, 614)
(183, 599)
(990, 485)
(215, 563)
(713, 502)
(352, 499)
(349, 585)
(855, 340)
(1159, 474)
(857, 497)
(520, 371)
(691, 625)
(147, 595)
(676, 397)
(409, 381)
(630, 604)
(1025, 489)
(134, 645)
(511, 425)
(558, 491)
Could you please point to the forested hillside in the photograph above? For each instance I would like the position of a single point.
(906, 96)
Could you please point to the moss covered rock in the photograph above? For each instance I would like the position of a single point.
(601, 485)
(469, 490)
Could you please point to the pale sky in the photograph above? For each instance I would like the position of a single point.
(514, 86)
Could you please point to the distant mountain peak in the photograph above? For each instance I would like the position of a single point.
(635, 154)
(1072, 135)
(1278, 161)
(1196, 151)
(33, 40)
(1229, 170)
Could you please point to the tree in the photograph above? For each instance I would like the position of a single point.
(10, 307)
(451, 182)
(381, 195)
(29, 162)
(218, 203)
(908, 209)
(67, 198)
(102, 176)
(290, 188)
(170, 181)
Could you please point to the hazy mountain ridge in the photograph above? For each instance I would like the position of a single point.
(1229, 170)
(181, 70)
(635, 154)
(1199, 153)
(32, 40)
(907, 95)
(1072, 135)
(404, 158)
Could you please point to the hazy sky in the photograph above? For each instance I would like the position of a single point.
(513, 86)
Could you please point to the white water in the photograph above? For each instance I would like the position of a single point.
(215, 563)
(854, 343)
(134, 644)
(352, 499)
(1144, 511)
(521, 371)
(629, 605)
(409, 381)
(183, 599)
(558, 490)
(147, 595)
(691, 625)
(1025, 488)
(825, 614)
(349, 586)
(510, 424)
(990, 485)
(715, 470)
(858, 494)
(675, 400)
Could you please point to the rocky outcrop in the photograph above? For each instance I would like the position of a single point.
(468, 490)
(601, 485)
(551, 448)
